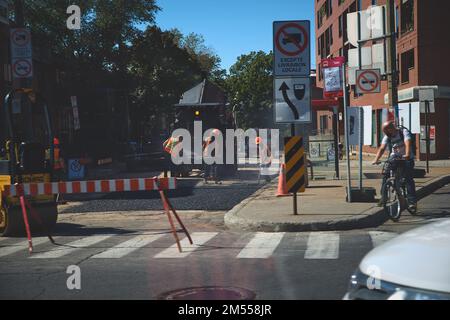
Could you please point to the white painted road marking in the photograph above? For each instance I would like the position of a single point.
(199, 238)
(380, 237)
(129, 246)
(322, 245)
(261, 246)
(70, 247)
(21, 246)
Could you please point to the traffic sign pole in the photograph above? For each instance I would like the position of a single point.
(295, 207)
(349, 181)
(427, 133)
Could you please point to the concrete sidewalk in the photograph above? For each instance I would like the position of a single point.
(322, 207)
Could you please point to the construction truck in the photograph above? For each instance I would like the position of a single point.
(26, 156)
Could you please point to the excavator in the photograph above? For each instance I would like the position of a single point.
(26, 156)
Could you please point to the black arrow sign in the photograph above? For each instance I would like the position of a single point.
(284, 88)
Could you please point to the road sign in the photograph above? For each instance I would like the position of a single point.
(368, 81)
(294, 155)
(20, 43)
(22, 68)
(292, 48)
(332, 75)
(426, 95)
(423, 108)
(292, 100)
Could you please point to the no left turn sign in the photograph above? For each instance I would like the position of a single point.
(368, 81)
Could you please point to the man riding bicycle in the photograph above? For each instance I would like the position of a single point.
(400, 141)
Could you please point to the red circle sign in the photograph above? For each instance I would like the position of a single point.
(291, 38)
(373, 84)
(21, 37)
(22, 68)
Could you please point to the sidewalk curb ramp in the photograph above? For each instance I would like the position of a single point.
(370, 218)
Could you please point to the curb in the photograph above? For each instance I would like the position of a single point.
(370, 218)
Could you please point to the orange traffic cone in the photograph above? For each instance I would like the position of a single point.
(282, 187)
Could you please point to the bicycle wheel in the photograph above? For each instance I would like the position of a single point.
(392, 203)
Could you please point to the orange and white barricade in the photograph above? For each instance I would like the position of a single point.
(98, 186)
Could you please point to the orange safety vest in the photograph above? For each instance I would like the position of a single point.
(59, 163)
(170, 144)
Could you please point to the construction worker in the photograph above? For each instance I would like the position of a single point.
(210, 170)
(169, 146)
(265, 156)
(59, 165)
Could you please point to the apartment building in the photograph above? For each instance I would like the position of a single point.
(423, 54)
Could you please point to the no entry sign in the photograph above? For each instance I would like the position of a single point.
(21, 53)
(368, 81)
(22, 68)
(292, 50)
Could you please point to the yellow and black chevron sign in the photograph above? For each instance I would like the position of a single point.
(294, 157)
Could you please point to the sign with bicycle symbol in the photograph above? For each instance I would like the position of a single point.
(76, 169)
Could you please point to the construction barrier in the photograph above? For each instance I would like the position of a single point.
(97, 186)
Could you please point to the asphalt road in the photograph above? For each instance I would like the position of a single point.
(131, 255)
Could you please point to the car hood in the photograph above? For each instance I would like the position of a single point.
(419, 258)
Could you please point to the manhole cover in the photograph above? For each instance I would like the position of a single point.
(208, 293)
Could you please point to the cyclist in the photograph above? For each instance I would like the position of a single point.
(400, 141)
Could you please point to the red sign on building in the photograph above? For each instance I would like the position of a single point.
(332, 75)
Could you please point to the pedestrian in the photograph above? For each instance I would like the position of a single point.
(265, 156)
(210, 166)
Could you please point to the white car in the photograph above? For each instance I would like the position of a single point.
(412, 266)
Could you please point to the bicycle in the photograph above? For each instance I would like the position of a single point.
(393, 190)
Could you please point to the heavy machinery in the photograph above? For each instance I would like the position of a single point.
(26, 156)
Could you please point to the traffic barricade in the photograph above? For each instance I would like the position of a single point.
(97, 186)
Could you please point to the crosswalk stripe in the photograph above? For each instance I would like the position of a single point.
(322, 245)
(261, 246)
(128, 247)
(70, 247)
(21, 246)
(199, 238)
(380, 237)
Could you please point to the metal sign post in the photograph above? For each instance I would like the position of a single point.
(427, 96)
(349, 181)
(361, 142)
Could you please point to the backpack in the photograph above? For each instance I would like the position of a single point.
(402, 136)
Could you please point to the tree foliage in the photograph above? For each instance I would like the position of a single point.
(249, 87)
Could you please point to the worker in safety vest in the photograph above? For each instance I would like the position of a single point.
(265, 156)
(59, 167)
(210, 169)
(169, 146)
(57, 154)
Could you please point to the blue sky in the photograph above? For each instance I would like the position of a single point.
(233, 27)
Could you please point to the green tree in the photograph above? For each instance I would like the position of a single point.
(250, 89)
(162, 71)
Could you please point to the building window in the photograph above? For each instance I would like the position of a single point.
(323, 123)
(374, 2)
(341, 25)
(407, 16)
(341, 2)
(397, 23)
(330, 32)
(329, 7)
(359, 5)
(321, 14)
(407, 61)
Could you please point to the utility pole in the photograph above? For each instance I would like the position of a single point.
(392, 58)
(18, 13)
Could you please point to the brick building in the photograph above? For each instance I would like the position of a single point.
(423, 49)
